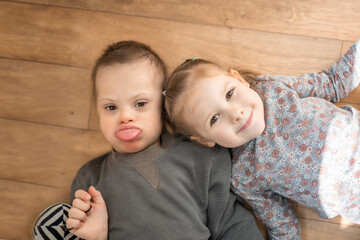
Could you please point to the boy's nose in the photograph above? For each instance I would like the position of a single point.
(126, 120)
(125, 117)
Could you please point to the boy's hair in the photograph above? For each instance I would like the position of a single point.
(126, 52)
(180, 80)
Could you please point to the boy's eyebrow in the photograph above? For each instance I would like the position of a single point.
(106, 99)
(141, 94)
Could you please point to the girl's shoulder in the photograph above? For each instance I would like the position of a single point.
(271, 82)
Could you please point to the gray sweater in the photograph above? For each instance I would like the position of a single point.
(175, 191)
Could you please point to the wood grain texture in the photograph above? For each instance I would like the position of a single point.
(327, 19)
(346, 46)
(21, 203)
(312, 229)
(49, 126)
(353, 98)
(66, 36)
(46, 155)
(306, 213)
(94, 118)
(45, 93)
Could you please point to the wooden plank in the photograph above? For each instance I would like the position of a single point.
(45, 93)
(261, 226)
(307, 213)
(94, 118)
(21, 203)
(353, 98)
(44, 154)
(75, 37)
(346, 46)
(330, 19)
(312, 229)
(355, 105)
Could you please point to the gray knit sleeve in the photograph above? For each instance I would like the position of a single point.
(227, 217)
(88, 175)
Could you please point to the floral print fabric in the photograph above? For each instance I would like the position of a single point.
(309, 151)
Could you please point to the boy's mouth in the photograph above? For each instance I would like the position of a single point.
(128, 134)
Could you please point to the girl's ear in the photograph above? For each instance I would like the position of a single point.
(203, 141)
(236, 75)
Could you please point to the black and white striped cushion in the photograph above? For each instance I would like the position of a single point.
(51, 223)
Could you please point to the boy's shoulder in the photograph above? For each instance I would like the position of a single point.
(93, 165)
(184, 144)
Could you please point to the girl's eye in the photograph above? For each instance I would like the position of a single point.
(140, 104)
(229, 94)
(214, 119)
(111, 108)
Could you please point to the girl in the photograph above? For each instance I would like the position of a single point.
(288, 139)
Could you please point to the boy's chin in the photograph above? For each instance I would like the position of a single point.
(130, 148)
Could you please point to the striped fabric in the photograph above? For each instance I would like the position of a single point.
(51, 223)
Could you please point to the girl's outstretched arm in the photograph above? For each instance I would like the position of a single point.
(274, 211)
(88, 220)
(332, 84)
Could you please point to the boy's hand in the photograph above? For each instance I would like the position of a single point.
(85, 222)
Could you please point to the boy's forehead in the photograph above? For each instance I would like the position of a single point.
(135, 72)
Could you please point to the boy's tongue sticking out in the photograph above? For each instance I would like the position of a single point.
(129, 134)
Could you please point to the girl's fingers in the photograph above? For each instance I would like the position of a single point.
(77, 214)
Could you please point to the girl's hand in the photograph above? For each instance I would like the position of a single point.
(88, 220)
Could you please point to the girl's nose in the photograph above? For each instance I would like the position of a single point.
(238, 114)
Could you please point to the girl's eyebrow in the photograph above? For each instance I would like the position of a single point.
(226, 87)
(222, 93)
(209, 116)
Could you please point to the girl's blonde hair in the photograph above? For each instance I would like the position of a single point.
(180, 80)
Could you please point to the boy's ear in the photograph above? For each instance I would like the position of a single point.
(203, 141)
(236, 75)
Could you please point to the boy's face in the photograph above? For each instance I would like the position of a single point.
(129, 101)
(223, 109)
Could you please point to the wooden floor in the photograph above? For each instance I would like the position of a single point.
(48, 127)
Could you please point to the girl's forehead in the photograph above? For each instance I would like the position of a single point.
(207, 71)
(202, 92)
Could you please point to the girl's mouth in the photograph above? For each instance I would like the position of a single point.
(247, 124)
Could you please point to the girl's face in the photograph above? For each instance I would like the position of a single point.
(223, 109)
(129, 101)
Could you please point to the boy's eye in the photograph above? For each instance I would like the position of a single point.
(229, 94)
(111, 108)
(140, 104)
(214, 119)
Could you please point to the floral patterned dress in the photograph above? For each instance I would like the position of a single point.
(309, 151)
